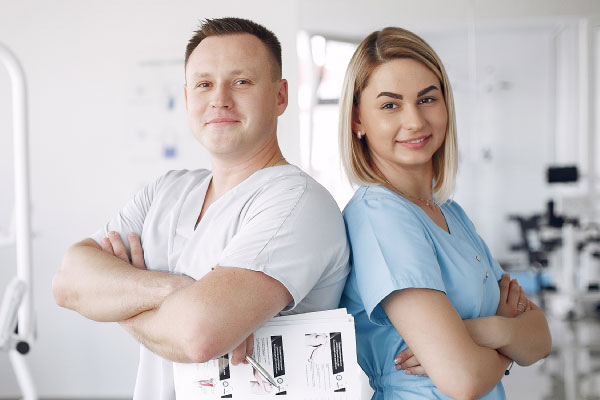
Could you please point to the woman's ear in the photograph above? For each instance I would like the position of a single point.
(356, 124)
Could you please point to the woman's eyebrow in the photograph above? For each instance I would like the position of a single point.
(399, 96)
(391, 94)
(427, 90)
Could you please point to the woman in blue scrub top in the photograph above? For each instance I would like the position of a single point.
(435, 315)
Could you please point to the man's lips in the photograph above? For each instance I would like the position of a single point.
(221, 120)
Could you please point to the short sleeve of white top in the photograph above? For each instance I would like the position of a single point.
(278, 221)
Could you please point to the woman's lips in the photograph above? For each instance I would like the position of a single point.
(416, 143)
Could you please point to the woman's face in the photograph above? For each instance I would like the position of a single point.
(403, 114)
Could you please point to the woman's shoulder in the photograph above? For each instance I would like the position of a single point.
(374, 193)
(378, 200)
(457, 212)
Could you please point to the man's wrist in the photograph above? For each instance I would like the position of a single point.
(165, 284)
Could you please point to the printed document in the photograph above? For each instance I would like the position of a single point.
(311, 356)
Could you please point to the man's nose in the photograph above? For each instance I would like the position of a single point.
(221, 97)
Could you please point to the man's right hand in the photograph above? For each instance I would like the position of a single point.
(113, 245)
(98, 281)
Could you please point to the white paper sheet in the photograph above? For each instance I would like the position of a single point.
(311, 357)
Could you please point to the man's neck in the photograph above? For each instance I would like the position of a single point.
(229, 172)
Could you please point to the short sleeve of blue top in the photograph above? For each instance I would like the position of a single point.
(395, 246)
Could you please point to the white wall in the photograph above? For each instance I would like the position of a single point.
(85, 62)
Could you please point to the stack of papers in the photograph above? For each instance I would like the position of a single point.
(311, 356)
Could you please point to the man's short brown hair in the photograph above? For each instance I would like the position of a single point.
(230, 26)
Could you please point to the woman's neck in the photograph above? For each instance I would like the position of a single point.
(412, 182)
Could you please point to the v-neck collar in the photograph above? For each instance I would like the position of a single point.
(426, 217)
(196, 197)
(432, 222)
(193, 205)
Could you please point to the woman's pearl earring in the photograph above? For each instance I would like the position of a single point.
(359, 135)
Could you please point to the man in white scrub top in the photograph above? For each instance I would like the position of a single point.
(221, 251)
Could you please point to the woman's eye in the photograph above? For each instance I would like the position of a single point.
(426, 100)
(389, 106)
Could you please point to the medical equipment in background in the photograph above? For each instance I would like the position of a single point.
(563, 253)
(17, 324)
(565, 249)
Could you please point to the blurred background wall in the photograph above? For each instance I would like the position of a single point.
(105, 81)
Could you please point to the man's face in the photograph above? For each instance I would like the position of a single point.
(233, 96)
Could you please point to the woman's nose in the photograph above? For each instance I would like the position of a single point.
(412, 118)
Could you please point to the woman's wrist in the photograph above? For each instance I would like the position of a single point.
(505, 331)
(492, 332)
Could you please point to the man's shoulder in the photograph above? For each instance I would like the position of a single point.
(181, 178)
(176, 175)
(292, 180)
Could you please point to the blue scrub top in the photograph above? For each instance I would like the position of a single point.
(395, 245)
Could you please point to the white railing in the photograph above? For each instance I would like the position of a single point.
(19, 292)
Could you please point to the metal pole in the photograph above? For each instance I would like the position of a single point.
(26, 331)
(22, 195)
(23, 375)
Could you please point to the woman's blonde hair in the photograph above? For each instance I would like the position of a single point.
(376, 49)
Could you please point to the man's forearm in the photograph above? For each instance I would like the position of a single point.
(143, 327)
(524, 339)
(210, 317)
(168, 330)
(102, 287)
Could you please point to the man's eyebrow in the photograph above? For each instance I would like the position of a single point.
(399, 96)
(199, 75)
(234, 72)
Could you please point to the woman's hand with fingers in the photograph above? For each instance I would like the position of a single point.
(409, 363)
(513, 300)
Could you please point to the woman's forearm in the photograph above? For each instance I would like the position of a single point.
(530, 338)
(457, 365)
(524, 339)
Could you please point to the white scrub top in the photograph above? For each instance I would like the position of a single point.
(278, 221)
(395, 246)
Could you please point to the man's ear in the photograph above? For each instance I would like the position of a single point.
(185, 96)
(282, 96)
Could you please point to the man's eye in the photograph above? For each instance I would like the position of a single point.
(202, 84)
(242, 82)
